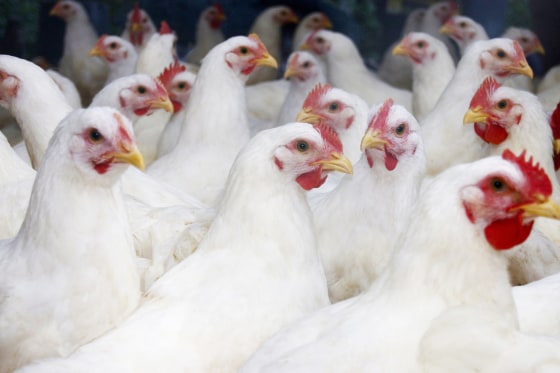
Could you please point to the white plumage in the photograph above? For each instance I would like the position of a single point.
(119, 55)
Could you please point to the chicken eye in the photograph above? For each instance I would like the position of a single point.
(320, 40)
(500, 53)
(333, 106)
(524, 39)
(420, 44)
(141, 89)
(283, 13)
(182, 85)
(66, 6)
(463, 24)
(502, 104)
(302, 146)
(399, 131)
(113, 45)
(497, 184)
(243, 50)
(95, 135)
(306, 64)
(144, 20)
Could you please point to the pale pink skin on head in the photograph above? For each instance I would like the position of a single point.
(334, 112)
(418, 48)
(248, 55)
(167, 78)
(140, 104)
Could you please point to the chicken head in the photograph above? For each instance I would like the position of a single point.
(178, 83)
(248, 54)
(417, 47)
(302, 66)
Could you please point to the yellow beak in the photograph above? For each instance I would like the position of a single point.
(326, 23)
(400, 50)
(135, 27)
(371, 140)
(336, 162)
(307, 116)
(291, 71)
(267, 60)
(475, 115)
(523, 68)
(556, 146)
(539, 49)
(128, 155)
(446, 29)
(162, 103)
(544, 207)
(96, 51)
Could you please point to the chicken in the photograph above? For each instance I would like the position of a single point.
(432, 69)
(264, 101)
(550, 80)
(89, 74)
(446, 140)
(29, 92)
(62, 253)
(178, 82)
(139, 27)
(215, 126)
(68, 89)
(507, 118)
(247, 279)
(311, 22)
(374, 203)
(119, 55)
(346, 69)
(208, 33)
(158, 53)
(486, 207)
(464, 31)
(304, 73)
(435, 16)
(555, 127)
(268, 26)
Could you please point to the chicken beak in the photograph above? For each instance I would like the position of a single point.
(130, 155)
(266, 60)
(305, 46)
(539, 49)
(326, 23)
(475, 115)
(372, 140)
(292, 18)
(135, 27)
(523, 68)
(446, 29)
(291, 71)
(54, 10)
(544, 207)
(336, 162)
(400, 50)
(162, 103)
(307, 116)
(96, 51)
(557, 146)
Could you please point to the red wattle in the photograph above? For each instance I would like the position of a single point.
(506, 233)
(491, 133)
(310, 180)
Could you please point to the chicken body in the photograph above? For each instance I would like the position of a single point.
(208, 33)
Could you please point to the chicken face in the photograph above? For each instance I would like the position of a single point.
(144, 96)
(102, 142)
(317, 42)
(138, 24)
(506, 202)
(555, 125)
(283, 15)
(110, 48)
(178, 83)
(443, 10)
(64, 9)
(329, 105)
(248, 55)
(528, 40)
(492, 112)
(215, 16)
(506, 59)
(416, 47)
(316, 21)
(462, 29)
(301, 66)
(309, 157)
(391, 134)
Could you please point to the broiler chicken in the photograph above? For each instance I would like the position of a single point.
(119, 55)
(62, 253)
(311, 22)
(372, 206)
(139, 27)
(68, 89)
(446, 141)
(178, 82)
(215, 126)
(432, 69)
(268, 26)
(208, 33)
(464, 31)
(158, 53)
(248, 278)
(508, 118)
(346, 69)
(89, 74)
(451, 254)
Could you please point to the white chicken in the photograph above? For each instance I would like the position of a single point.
(75, 240)
(464, 31)
(208, 33)
(432, 69)
(178, 82)
(446, 140)
(311, 22)
(435, 16)
(248, 278)
(139, 27)
(158, 53)
(374, 203)
(67, 87)
(508, 118)
(346, 69)
(304, 73)
(268, 26)
(486, 207)
(89, 74)
(119, 55)
(215, 126)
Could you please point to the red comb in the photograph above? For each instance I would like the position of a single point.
(219, 8)
(170, 72)
(165, 29)
(380, 118)
(540, 183)
(482, 95)
(313, 99)
(329, 135)
(136, 16)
